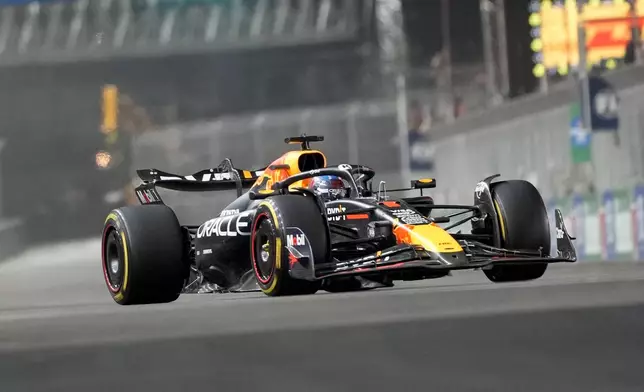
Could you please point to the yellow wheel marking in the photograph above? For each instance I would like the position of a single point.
(125, 262)
(278, 247)
(111, 216)
(119, 296)
(498, 212)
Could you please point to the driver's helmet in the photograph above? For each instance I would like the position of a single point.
(328, 187)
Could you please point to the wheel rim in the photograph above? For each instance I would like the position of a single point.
(113, 260)
(263, 250)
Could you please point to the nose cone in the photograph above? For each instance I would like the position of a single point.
(434, 240)
(431, 237)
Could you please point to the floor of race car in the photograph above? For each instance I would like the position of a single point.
(580, 328)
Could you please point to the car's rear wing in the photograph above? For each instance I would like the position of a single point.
(222, 178)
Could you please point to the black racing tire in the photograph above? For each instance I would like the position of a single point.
(524, 225)
(143, 255)
(269, 254)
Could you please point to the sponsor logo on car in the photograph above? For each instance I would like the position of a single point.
(560, 233)
(229, 212)
(226, 226)
(205, 177)
(336, 210)
(409, 216)
(148, 196)
(296, 239)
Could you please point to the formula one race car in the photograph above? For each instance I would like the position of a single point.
(303, 226)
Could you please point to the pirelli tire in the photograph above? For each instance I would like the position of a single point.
(143, 255)
(523, 224)
(269, 254)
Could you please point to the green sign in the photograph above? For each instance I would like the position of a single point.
(580, 138)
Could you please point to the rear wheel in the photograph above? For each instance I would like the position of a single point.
(143, 255)
(269, 254)
(524, 225)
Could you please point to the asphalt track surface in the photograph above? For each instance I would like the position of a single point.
(580, 328)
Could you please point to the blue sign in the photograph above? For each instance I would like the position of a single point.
(610, 234)
(580, 227)
(638, 201)
(604, 105)
(580, 138)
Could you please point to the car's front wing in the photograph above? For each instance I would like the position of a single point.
(404, 256)
(409, 257)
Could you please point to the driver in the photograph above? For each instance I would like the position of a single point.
(328, 187)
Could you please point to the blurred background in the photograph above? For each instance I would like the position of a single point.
(542, 90)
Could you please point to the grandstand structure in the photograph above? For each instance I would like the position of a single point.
(275, 54)
(63, 31)
(173, 62)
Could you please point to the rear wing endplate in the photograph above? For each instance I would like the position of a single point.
(225, 177)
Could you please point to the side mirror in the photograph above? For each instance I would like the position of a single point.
(424, 183)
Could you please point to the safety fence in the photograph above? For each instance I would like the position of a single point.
(608, 226)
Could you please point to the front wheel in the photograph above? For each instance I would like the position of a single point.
(524, 225)
(270, 257)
